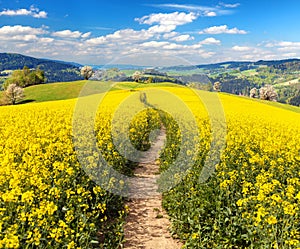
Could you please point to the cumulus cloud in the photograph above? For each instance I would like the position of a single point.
(97, 41)
(46, 39)
(156, 29)
(19, 30)
(86, 35)
(182, 38)
(175, 18)
(166, 22)
(122, 36)
(210, 41)
(67, 34)
(241, 48)
(223, 29)
(285, 46)
(71, 34)
(170, 35)
(21, 36)
(210, 13)
(33, 11)
(154, 44)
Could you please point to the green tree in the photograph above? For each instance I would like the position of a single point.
(25, 77)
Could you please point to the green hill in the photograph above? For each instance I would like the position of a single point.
(70, 90)
(55, 71)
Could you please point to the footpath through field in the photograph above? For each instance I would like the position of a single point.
(147, 225)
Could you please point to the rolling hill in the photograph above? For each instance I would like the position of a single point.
(55, 71)
(71, 90)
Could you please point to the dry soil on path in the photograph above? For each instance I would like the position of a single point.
(147, 224)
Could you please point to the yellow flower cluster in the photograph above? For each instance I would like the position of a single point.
(253, 200)
(263, 154)
(46, 199)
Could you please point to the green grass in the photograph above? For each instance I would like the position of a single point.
(133, 85)
(249, 72)
(53, 91)
(70, 90)
(185, 72)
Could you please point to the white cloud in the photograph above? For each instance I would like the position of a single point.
(162, 28)
(174, 46)
(210, 14)
(223, 29)
(170, 35)
(210, 41)
(182, 38)
(86, 35)
(13, 35)
(20, 30)
(71, 34)
(205, 54)
(175, 18)
(241, 48)
(46, 39)
(289, 55)
(287, 46)
(97, 41)
(154, 44)
(130, 35)
(284, 46)
(33, 11)
(67, 34)
(122, 36)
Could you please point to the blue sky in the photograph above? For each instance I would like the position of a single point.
(158, 32)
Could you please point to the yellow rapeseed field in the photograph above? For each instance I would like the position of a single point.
(251, 201)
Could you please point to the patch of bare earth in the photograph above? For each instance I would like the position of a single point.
(147, 225)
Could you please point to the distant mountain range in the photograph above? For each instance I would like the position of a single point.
(236, 77)
(55, 71)
(241, 65)
(58, 71)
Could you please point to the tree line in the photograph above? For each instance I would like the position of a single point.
(14, 85)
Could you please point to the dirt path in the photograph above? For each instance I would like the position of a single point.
(147, 225)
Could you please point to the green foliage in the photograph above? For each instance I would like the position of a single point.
(70, 90)
(295, 100)
(141, 127)
(55, 71)
(25, 77)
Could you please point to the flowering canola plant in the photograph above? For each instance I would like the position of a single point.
(251, 201)
(46, 199)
